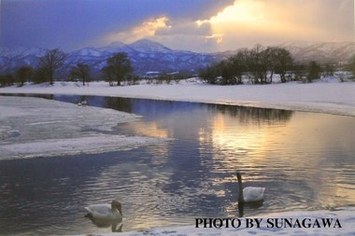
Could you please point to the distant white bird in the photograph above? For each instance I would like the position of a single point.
(108, 212)
(82, 103)
(249, 194)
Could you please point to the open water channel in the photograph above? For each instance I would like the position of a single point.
(305, 161)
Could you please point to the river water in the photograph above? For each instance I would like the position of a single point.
(305, 161)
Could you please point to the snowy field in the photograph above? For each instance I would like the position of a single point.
(35, 127)
(326, 96)
(346, 218)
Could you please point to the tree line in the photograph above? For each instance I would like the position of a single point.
(118, 68)
(259, 65)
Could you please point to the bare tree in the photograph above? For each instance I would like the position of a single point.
(209, 74)
(237, 67)
(7, 80)
(80, 71)
(257, 64)
(280, 61)
(118, 68)
(351, 65)
(314, 71)
(299, 71)
(329, 69)
(51, 62)
(23, 74)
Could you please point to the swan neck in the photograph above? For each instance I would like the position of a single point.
(116, 205)
(240, 186)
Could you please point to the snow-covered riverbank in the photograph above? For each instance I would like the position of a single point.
(35, 127)
(339, 222)
(325, 97)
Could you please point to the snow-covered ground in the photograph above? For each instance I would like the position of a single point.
(327, 96)
(345, 218)
(35, 127)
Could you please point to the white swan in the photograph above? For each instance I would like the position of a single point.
(249, 194)
(83, 103)
(109, 212)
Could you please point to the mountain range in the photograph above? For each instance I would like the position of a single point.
(147, 55)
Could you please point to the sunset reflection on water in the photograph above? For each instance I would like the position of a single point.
(305, 161)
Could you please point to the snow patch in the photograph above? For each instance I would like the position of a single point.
(71, 146)
(344, 215)
(36, 127)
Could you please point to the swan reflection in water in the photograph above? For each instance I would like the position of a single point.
(252, 197)
(106, 215)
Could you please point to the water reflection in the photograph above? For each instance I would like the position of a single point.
(251, 114)
(249, 206)
(304, 160)
(116, 226)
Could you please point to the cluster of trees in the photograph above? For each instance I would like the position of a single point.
(259, 65)
(118, 69)
(48, 65)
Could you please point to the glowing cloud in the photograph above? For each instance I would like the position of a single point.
(247, 22)
(144, 30)
(246, 11)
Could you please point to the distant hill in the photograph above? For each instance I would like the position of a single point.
(321, 52)
(147, 55)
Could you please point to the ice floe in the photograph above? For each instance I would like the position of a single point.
(35, 127)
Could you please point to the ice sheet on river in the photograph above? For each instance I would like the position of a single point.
(35, 127)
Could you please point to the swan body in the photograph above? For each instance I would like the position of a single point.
(249, 194)
(82, 103)
(253, 194)
(109, 212)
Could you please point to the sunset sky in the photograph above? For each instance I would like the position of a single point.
(196, 25)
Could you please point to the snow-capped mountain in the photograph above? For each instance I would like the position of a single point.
(322, 52)
(149, 46)
(147, 55)
(117, 47)
(10, 59)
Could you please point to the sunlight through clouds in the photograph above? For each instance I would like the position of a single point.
(247, 22)
(244, 23)
(144, 30)
(198, 25)
(246, 11)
